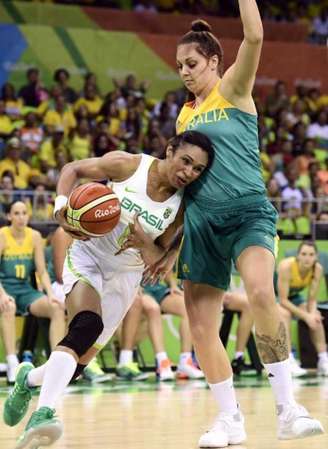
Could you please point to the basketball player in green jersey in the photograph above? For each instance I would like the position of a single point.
(295, 274)
(228, 218)
(21, 252)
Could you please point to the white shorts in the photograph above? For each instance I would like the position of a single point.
(58, 290)
(116, 289)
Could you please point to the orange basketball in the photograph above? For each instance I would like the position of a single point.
(94, 209)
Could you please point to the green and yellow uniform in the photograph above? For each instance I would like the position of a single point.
(48, 255)
(16, 268)
(158, 291)
(226, 208)
(297, 283)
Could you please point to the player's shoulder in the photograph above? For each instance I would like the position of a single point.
(120, 164)
(285, 264)
(318, 269)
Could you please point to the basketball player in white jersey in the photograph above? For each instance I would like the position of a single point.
(100, 280)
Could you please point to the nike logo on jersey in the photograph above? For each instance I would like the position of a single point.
(127, 189)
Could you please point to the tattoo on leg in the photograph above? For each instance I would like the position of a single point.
(273, 349)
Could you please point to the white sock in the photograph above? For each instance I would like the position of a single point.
(281, 382)
(60, 369)
(36, 375)
(323, 357)
(225, 396)
(184, 357)
(160, 356)
(239, 354)
(12, 359)
(126, 356)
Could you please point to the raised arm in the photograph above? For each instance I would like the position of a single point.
(238, 81)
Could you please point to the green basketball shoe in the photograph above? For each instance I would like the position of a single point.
(130, 371)
(17, 403)
(42, 429)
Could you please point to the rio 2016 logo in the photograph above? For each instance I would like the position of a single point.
(101, 213)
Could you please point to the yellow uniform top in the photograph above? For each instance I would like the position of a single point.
(297, 282)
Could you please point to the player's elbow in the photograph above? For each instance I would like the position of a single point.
(255, 35)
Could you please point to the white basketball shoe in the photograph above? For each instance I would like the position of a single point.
(295, 422)
(227, 429)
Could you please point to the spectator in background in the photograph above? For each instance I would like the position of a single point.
(170, 100)
(7, 194)
(292, 196)
(132, 125)
(278, 99)
(320, 27)
(104, 143)
(154, 141)
(49, 102)
(145, 6)
(6, 124)
(61, 77)
(32, 93)
(274, 193)
(166, 122)
(91, 100)
(13, 104)
(90, 79)
(319, 129)
(79, 143)
(31, 135)
(51, 148)
(42, 209)
(323, 176)
(130, 86)
(61, 115)
(23, 174)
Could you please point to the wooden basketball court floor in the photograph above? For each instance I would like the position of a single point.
(150, 415)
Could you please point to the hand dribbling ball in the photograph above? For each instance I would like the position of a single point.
(93, 209)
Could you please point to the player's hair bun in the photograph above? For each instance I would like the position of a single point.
(200, 25)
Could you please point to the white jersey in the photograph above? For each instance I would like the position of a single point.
(154, 217)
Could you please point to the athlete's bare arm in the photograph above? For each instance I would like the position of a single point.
(314, 288)
(40, 264)
(116, 166)
(238, 81)
(4, 298)
(60, 242)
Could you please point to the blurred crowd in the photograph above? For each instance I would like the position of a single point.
(312, 13)
(42, 128)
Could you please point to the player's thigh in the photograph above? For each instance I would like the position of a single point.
(83, 297)
(150, 305)
(119, 293)
(174, 304)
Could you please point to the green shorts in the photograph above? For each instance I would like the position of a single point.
(214, 238)
(24, 295)
(158, 292)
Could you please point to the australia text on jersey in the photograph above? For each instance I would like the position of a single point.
(213, 116)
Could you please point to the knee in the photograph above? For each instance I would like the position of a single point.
(10, 311)
(56, 311)
(152, 310)
(83, 332)
(262, 296)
